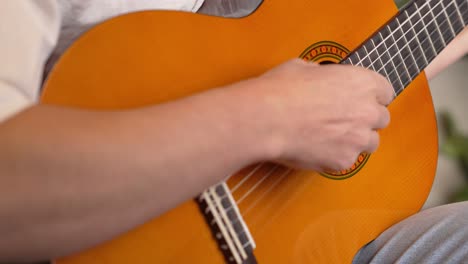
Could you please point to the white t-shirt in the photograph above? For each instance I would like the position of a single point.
(33, 32)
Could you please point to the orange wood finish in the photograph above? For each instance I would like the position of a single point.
(151, 57)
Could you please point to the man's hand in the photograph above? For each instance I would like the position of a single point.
(324, 116)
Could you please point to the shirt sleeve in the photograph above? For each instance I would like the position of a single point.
(29, 31)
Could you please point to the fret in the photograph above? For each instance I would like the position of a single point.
(389, 66)
(384, 33)
(459, 14)
(365, 60)
(396, 58)
(347, 61)
(447, 16)
(417, 42)
(353, 60)
(407, 44)
(374, 56)
(435, 17)
(442, 21)
(371, 51)
(454, 16)
(463, 8)
(378, 62)
(423, 34)
(358, 58)
(434, 33)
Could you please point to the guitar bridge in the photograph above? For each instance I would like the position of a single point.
(227, 225)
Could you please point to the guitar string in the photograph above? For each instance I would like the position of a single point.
(408, 20)
(289, 170)
(268, 191)
(257, 184)
(420, 56)
(405, 46)
(245, 178)
(412, 62)
(407, 57)
(264, 177)
(389, 36)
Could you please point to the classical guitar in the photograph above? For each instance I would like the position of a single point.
(268, 213)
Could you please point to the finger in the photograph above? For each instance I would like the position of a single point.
(383, 117)
(385, 91)
(309, 63)
(374, 141)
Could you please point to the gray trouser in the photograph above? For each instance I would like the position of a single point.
(436, 235)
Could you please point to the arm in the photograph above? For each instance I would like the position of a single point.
(68, 173)
(454, 51)
(59, 165)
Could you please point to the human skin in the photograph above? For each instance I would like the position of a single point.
(68, 173)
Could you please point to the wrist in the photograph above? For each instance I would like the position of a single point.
(257, 117)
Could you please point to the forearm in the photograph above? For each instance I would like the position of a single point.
(70, 173)
(454, 51)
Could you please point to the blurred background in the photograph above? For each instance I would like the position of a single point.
(450, 94)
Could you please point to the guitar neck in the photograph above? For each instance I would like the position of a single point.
(406, 45)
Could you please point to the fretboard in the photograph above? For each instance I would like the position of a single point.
(405, 46)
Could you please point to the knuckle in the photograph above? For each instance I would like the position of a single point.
(387, 92)
(369, 82)
(297, 61)
(374, 141)
(349, 163)
(333, 167)
(375, 114)
(347, 160)
(301, 62)
(390, 94)
(360, 139)
(383, 85)
(382, 81)
(383, 118)
(371, 113)
(386, 117)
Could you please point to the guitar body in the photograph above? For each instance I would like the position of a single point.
(150, 57)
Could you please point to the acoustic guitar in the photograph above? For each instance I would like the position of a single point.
(268, 213)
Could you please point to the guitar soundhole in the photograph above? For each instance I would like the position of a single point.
(324, 53)
(325, 62)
